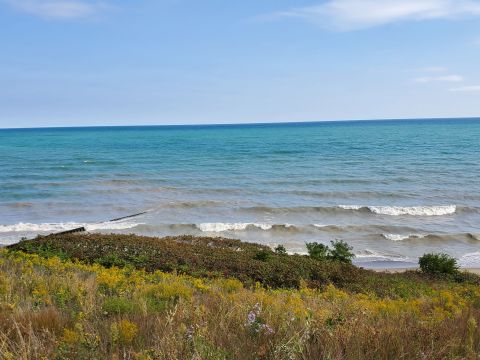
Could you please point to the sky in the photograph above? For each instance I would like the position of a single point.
(145, 62)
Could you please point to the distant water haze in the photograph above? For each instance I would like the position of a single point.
(392, 189)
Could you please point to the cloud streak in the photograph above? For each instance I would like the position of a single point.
(470, 88)
(57, 9)
(442, 78)
(360, 14)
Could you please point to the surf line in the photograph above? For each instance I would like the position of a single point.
(82, 228)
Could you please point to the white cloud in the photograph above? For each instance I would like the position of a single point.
(470, 88)
(359, 14)
(442, 78)
(57, 9)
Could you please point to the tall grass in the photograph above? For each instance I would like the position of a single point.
(56, 309)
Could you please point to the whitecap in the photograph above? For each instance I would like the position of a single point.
(401, 237)
(405, 210)
(414, 210)
(221, 227)
(351, 207)
(57, 227)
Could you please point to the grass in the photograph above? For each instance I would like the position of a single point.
(200, 298)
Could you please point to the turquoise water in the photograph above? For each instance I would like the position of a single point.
(392, 189)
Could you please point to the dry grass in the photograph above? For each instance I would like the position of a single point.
(53, 309)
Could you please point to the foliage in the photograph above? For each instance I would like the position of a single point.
(280, 250)
(317, 251)
(197, 256)
(263, 255)
(438, 264)
(62, 309)
(340, 251)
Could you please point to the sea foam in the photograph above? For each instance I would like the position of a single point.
(54, 227)
(402, 237)
(470, 260)
(405, 210)
(220, 227)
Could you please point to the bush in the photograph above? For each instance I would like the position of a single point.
(318, 251)
(438, 264)
(341, 252)
(280, 249)
(262, 255)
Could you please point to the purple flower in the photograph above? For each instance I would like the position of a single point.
(267, 329)
(251, 318)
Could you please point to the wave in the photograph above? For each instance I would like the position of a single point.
(57, 227)
(473, 236)
(470, 260)
(405, 210)
(400, 237)
(439, 210)
(221, 227)
(370, 255)
(432, 237)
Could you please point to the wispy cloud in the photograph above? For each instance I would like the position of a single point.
(57, 9)
(360, 14)
(470, 88)
(442, 78)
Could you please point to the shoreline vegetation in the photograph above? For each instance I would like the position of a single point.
(95, 296)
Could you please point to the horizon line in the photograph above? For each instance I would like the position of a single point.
(246, 123)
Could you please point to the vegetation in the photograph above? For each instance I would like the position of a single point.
(280, 249)
(124, 300)
(438, 264)
(196, 256)
(340, 251)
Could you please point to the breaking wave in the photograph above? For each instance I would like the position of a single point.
(220, 227)
(400, 237)
(57, 227)
(439, 210)
(405, 210)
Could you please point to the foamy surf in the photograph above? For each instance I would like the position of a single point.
(470, 260)
(221, 227)
(402, 237)
(57, 227)
(440, 210)
(373, 256)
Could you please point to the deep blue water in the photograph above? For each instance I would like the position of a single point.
(392, 189)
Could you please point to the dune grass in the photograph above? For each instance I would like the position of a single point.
(112, 306)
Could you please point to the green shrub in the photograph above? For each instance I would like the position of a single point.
(318, 251)
(263, 255)
(341, 252)
(280, 250)
(438, 264)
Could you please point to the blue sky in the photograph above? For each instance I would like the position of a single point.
(88, 62)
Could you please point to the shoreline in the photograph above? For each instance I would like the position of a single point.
(402, 270)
